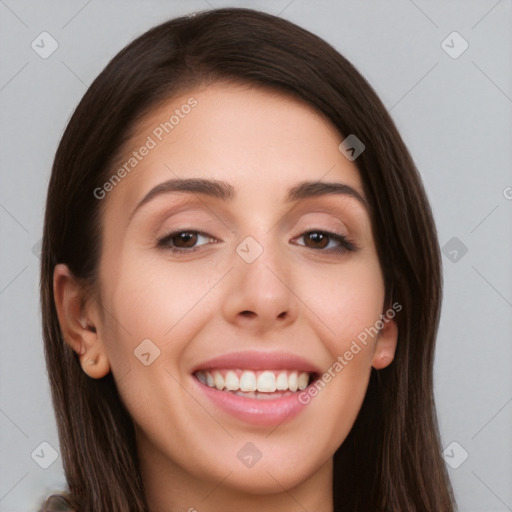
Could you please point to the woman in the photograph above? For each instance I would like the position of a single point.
(241, 282)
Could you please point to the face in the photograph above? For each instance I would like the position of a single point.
(236, 288)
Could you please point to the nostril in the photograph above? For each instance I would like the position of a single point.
(247, 313)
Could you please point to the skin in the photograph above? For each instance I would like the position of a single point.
(294, 297)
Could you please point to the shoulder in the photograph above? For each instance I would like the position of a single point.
(58, 503)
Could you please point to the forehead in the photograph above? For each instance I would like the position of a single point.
(256, 139)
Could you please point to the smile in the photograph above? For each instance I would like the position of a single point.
(255, 384)
(256, 387)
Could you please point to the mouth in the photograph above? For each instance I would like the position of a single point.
(255, 387)
(259, 385)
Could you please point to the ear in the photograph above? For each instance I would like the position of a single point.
(385, 345)
(79, 318)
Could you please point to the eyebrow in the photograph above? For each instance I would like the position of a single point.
(225, 192)
(306, 189)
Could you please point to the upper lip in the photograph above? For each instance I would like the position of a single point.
(258, 360)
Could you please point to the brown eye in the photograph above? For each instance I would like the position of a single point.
(184, 239)
(329, 242)
(316, 240)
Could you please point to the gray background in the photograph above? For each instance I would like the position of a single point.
(454, 114)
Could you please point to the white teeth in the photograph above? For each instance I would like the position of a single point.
(251, 383)
(303, 380)
(267, 382)
(231, 383)
(292, 381)
(248, 382)
(218, 380)
(282, 381)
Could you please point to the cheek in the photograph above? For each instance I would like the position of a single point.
(345, 307)
(347, 301)
(148, 298)
(152, 296)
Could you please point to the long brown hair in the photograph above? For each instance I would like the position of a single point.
(391, 459)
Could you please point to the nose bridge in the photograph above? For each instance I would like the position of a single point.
(261, 289)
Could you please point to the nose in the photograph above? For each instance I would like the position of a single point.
(260, 294)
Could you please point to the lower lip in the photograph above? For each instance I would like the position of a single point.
(265, 412)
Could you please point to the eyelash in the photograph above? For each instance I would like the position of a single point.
(345, 244)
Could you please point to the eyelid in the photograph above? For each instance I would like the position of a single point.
(189, 210)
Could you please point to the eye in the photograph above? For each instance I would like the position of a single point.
(184, 241)
(326, 241)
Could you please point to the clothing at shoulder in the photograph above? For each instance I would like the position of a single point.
(57, 503)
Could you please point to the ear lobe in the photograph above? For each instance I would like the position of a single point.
(385, 345)
(77, 317)
(95, 365)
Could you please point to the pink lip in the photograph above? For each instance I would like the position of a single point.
(256, 360)
(269, 412)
